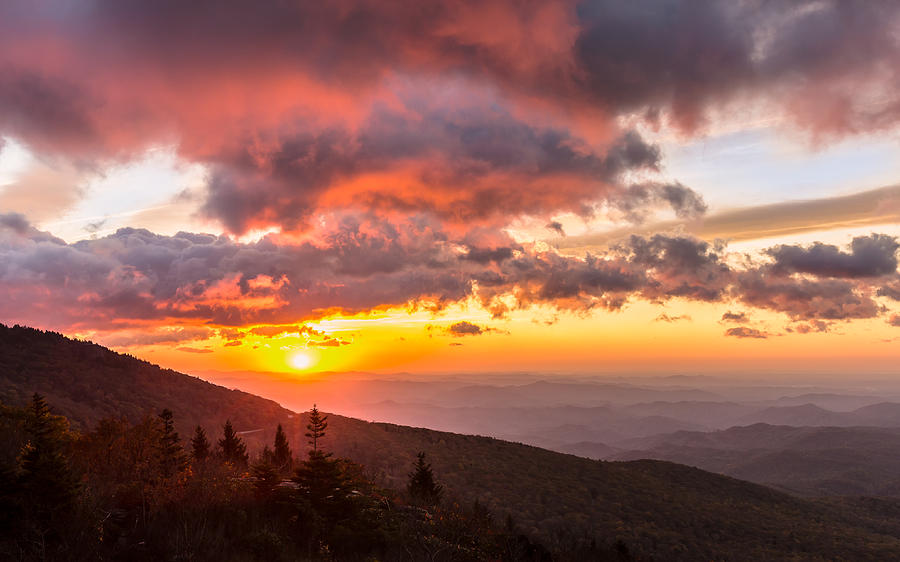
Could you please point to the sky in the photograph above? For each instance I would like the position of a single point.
(552, 187)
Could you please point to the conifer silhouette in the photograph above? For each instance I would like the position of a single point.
(421, 487)
(232, 448)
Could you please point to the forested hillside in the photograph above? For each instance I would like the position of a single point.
(87, 382)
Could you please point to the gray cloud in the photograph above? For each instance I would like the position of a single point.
(671, 319)
(805, 299)
(869, 256)
(745, 332)
(734, 317)
(639, 201)
(464, 328)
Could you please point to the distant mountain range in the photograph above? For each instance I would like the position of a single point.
(661, 510)
(805, 460)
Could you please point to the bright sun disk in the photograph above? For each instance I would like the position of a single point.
(300, 360)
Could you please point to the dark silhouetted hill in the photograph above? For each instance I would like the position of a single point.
(87, 382)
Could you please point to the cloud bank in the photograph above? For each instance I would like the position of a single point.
(135, 277)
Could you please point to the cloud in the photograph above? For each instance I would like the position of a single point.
(805, 299)
(745, 332)
(193, 350)
(894, 320)
(329, 342)
(15, 222)
(810, 327)
(671, 319)
(556, 227)
(464, 328)
(638, 201)
(156, 336)
(890, 289)
(734, 317)
(870, 256)
(275, 331)
(460, 166)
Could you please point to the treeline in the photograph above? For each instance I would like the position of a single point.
(137, 491)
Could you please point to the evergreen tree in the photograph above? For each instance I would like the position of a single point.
(199, 445)
(320, 479)
(322, 482)
(421, 487)
(316, 426)
(232, 448)
(46, 478)
(266, 474)
(282, 456)
(172, 459)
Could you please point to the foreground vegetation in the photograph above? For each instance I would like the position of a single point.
(128, 491)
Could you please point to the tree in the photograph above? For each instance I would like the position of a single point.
(199, 445)
(283, 457)
(232, 448)
(267, 478)
(172, 459)
(321, 480)
(46, 479)
(421, 487)
(316, 426)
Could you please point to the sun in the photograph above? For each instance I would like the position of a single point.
(300, 360)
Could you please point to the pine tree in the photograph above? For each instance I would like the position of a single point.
(46, 478)
(283, 458)
(320, 478)
(199, 445)
(421, 487)
(232, 448)
(172, 459)
(266, 474)
(316, 426)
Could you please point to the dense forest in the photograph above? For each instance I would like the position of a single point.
(132, 489)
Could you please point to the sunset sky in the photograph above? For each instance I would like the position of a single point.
(456, 187)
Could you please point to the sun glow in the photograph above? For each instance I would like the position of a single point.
(300, 360)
